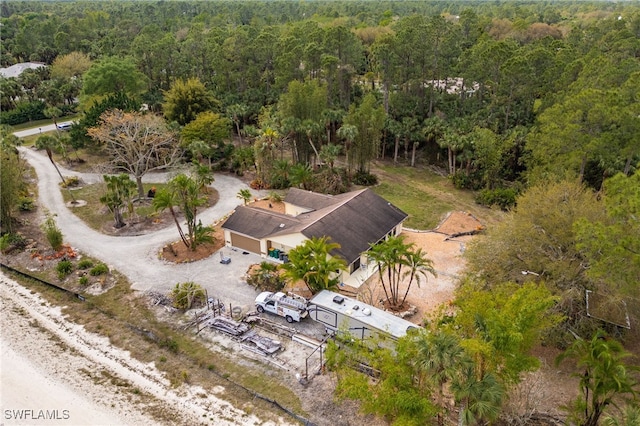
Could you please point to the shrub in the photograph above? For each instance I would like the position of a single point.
(52, 232)
(10, 242)
(23, 112)
(275, 197)
(170, 344)
(186, 295)
(70, 182)
(204, 234)
(505, 198)
(26, 204)
(85, 264)
(463, 180)
(64, 268)
(266, 278)
(365, 178)
(84, 280)
(99, 269)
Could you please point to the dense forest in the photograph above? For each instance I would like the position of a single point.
(497, 94)
(535, 106)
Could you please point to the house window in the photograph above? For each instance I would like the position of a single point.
(356, 264)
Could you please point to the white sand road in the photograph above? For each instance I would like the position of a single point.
(55, 372)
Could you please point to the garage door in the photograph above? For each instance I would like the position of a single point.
(245, 243)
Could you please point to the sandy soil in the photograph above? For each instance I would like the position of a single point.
(55, 372)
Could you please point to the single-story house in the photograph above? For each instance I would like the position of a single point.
(354, 220)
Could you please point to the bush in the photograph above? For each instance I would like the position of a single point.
(275, 197)
(266, 278)
(52, 232)
(99, 269)
(64, 268)
(462, 180)
(23, 113)
(365, 179)
(186, 295)
(84, 280)
(505, 198)
(26, 204)
(70, 182)
(10, 242)
(85, 264)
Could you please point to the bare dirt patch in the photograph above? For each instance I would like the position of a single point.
(277, 207)
(178, 252)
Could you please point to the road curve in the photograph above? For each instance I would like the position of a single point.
(137, 256)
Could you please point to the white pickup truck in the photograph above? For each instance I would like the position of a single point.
(293, 308)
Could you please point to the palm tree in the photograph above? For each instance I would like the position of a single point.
(418, 265)
(313, 263)
(440, 357)
(185, 192)
(604, 377)
(348, 132)
(329, 153)
(237, 112)
(244, 195)
(49, 143)
(480, 398)
(280, 174)
(395, 127)
(203, 175)
(397, 261)
(165, 199)
(301, 175)
(312, 129)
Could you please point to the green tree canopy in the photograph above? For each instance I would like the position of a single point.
(73, 64)
(209, 127)
(186, 99)
(604, 376)
(313, 263)
(110, 76)
(368, 118)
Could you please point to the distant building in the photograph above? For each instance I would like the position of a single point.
(17, 69)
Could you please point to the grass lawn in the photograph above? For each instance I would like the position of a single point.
(426, 196)
(94, 213)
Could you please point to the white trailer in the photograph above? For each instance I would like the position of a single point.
(342, 314)
(291, 307)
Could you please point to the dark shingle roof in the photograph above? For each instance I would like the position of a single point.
(359, 221)
(354, 220)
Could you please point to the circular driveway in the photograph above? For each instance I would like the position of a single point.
(137, 257)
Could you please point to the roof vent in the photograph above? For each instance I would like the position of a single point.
(338, 299)
(356, 307)
(366, 311)
(282, 225)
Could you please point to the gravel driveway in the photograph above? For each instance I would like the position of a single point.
(137, 256)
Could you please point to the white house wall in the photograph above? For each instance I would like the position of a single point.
(284, 242)
(293, 210)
